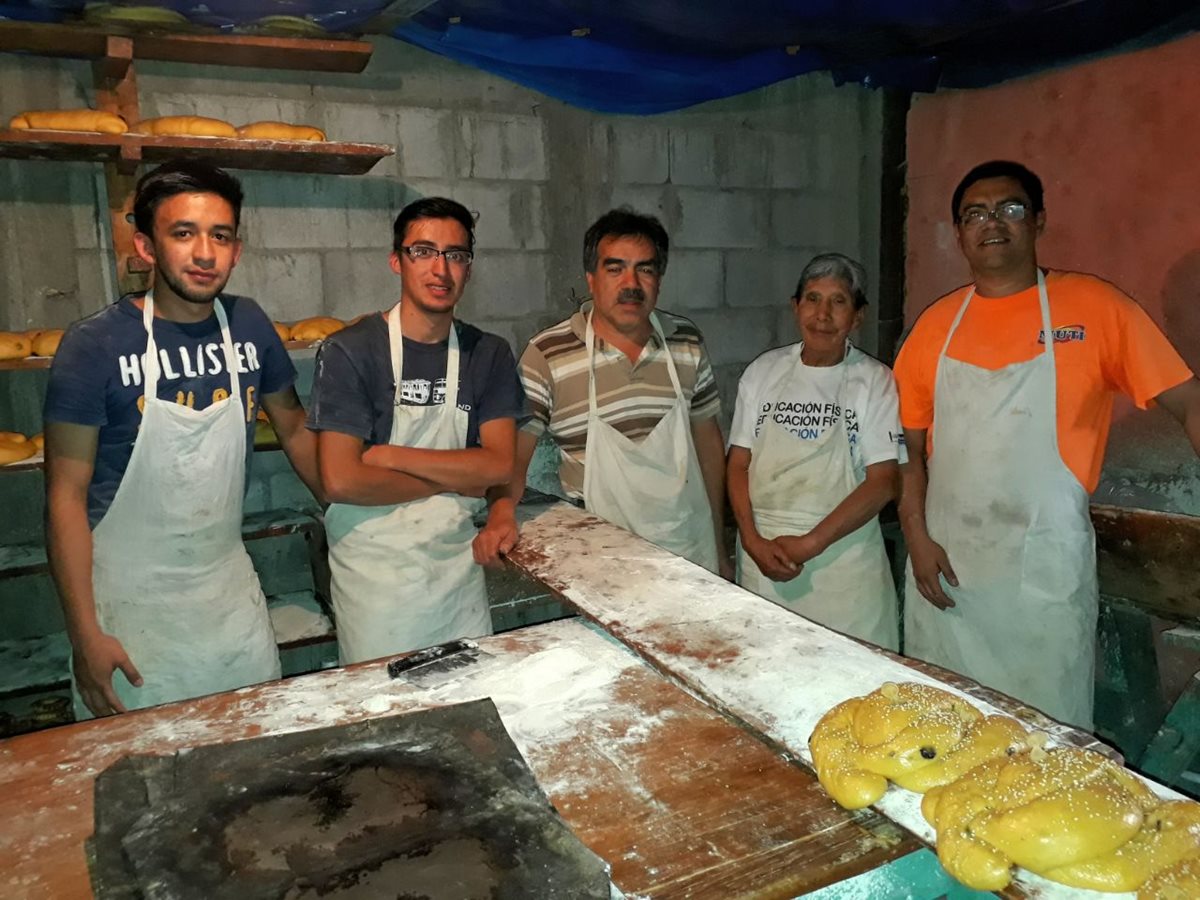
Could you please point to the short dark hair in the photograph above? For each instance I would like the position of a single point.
(624, 222)
(1000, 168)
(183, 176)
(432, 208)
(841, 267)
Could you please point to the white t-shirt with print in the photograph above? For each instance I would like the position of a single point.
(806, 400)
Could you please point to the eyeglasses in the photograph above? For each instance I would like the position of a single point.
(421, 253)
(1005, 212)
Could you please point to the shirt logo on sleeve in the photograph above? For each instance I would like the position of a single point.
(1064, 334)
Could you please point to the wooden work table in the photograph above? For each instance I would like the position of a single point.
(681, 763)
(674, 796)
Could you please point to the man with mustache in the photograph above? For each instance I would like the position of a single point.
(627, 393)
(1006, 396)
(416, 413)
(149, 430)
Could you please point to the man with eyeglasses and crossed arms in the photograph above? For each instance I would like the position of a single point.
(1006, 394)
(416, 414)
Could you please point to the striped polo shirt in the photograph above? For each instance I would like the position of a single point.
(631, 396)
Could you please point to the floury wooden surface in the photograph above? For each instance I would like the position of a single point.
(678, 799)
(760, 664)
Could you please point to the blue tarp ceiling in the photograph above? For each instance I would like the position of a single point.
(647, 56)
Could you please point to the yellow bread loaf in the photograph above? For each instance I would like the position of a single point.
(983, 739)
(15, 447)
(1040, 809)
(264, 432)
(283, 330)
(1169, 835)
(38, 441)
(1179, 882)
(316, 328)
(14, 345)
(135, 16)
(914, 734)
(292, 25)
(70, 120)
(185, 126)
(280, 131)
(45, 343)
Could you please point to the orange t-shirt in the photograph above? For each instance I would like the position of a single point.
(1103, 343)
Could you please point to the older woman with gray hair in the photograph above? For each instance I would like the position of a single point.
(814, 456)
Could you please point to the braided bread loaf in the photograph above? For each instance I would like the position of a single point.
(913, 734)
(1045, 810)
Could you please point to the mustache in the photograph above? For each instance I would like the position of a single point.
(632, 294)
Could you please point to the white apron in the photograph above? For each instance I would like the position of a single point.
(1014, 522)
(794, 485)
(403, 576)
(170, 575)
(652, 487)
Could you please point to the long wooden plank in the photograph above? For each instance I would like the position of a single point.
(765, 666)
(679, 800)
(81, 42)
(1149, 558)
(319, 157)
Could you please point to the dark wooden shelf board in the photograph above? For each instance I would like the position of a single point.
(322, 157)
(61, 146)
(29, 362)
(277, 522)
(328, 638)
(1148, 559)
(30, 559)
(252, 51)
(22, 559)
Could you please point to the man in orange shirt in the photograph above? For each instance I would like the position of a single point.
(1006, 393)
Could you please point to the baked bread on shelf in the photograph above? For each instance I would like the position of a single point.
(14, 345)
(293, 26)
(132, 16)
(185, 126)
(284, 330)
(1041, 809)
(914, 734)
(45, 342)
(316, 328)
(15, 447)
(93, 120)
(280, 131)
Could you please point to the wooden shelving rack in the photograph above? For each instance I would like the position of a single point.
(113, 54)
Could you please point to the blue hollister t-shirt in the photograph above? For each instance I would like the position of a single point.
(354, 389)
(96, 377)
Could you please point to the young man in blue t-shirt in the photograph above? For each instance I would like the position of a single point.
(416, 414)
(149, 427)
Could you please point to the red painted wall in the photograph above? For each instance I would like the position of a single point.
(1116, 142)
(1117, 145)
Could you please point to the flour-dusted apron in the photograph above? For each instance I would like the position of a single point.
(794, 485)
(653, 487)
(403, 576)
(1014, 522)
(170, 574)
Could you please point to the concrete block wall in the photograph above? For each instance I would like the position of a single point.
(748, 188)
